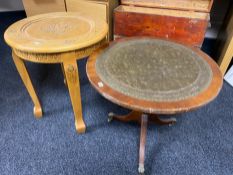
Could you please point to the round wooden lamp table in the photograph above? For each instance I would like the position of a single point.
(56, 38)
(151, 77)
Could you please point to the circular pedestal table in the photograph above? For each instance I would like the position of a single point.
(151, 77)
(56, 38)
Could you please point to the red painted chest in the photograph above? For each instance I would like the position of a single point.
(179, 20)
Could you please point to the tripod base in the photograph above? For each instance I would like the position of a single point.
(143, 119)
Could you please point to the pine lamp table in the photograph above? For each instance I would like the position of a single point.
(56, 38)
(151, 77)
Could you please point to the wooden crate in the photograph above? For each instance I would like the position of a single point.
(102, 8)
(179, 25)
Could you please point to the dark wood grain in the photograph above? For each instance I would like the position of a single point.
(187, 30)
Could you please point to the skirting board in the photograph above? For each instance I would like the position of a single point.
(229, 76)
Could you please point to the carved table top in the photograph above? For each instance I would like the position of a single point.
(55, 32)
(154, 76)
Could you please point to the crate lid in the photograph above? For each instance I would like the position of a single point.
(193, 5)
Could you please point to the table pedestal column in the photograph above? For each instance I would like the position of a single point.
(144, 120)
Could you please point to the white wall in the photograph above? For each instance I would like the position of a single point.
(11, 5)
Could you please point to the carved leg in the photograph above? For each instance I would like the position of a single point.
(71, 73)
(27, 82)
(64, 75)
(155, 119)
(144, 121)
(133, 116)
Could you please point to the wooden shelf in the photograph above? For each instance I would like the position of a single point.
(226, 50)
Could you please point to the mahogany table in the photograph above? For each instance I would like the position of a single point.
(56, 38)
(151, 77)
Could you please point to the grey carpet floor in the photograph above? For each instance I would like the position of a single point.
(200, 143)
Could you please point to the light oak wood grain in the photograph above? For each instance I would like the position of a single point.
(72, 77)
(103, 9)
(56, 32)
(37, 110)
(93, 8)
(62, 37)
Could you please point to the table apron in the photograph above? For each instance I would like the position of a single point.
(58, 57)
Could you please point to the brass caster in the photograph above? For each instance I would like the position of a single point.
(37, 112)
(173, 121)
(141, 169)
(110, 116)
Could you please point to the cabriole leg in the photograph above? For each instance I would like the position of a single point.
(27, 82)
(72, 77)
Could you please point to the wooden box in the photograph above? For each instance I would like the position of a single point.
(102, 8)
(35, 7)
(173, 22)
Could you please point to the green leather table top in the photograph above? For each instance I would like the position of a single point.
(153, 70)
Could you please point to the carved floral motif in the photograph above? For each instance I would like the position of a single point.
(57, 28)
(71, 73)
(39, 57)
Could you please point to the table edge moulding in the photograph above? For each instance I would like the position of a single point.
(155, 107)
